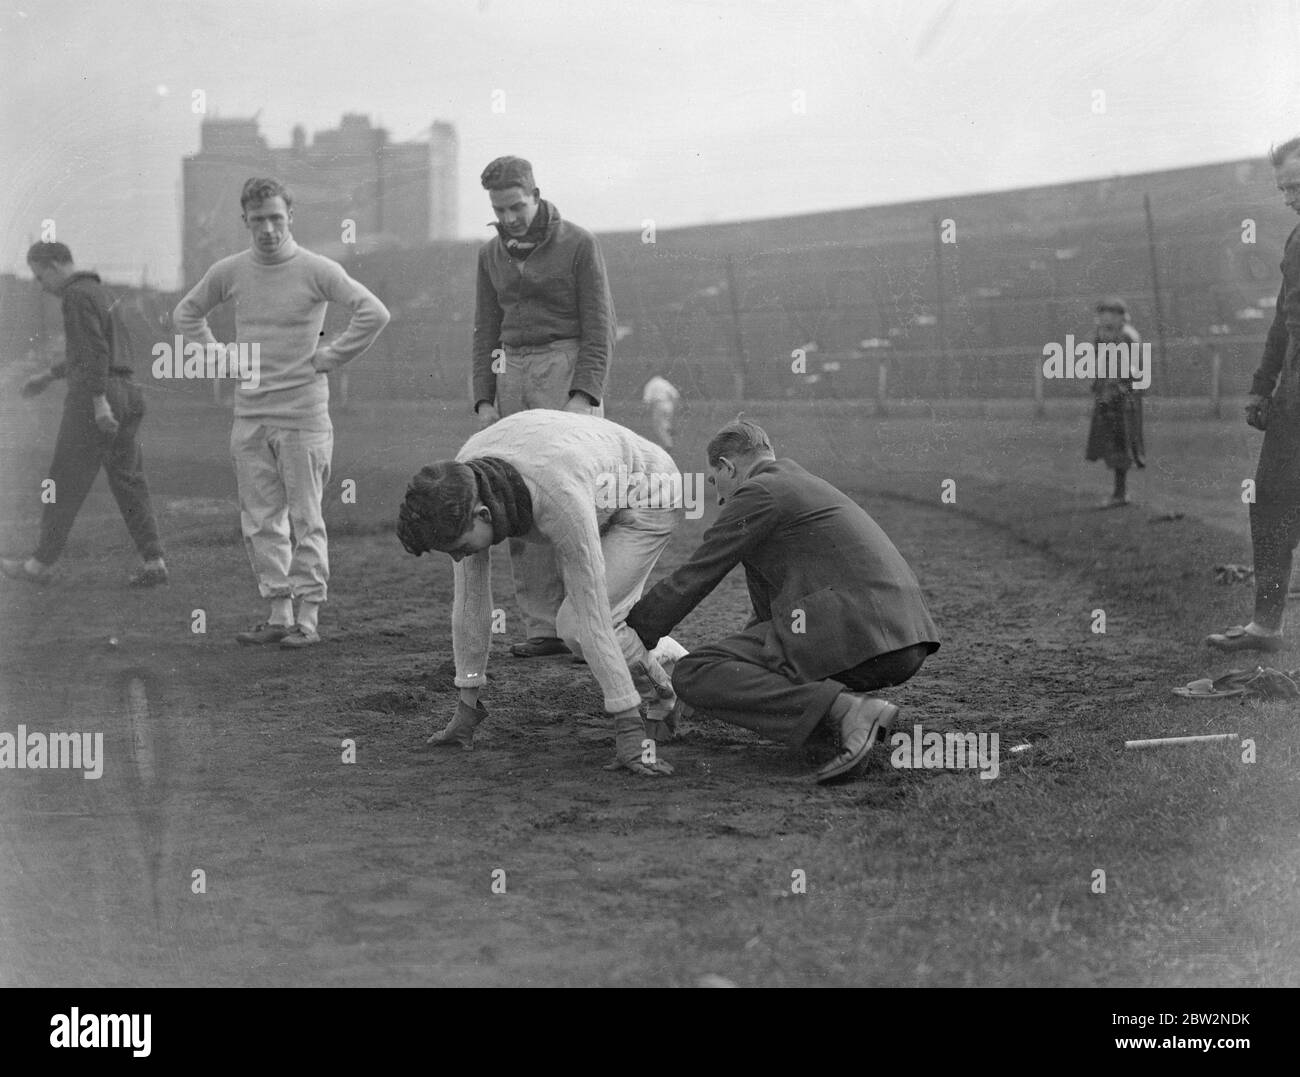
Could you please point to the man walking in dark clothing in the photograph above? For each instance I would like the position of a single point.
(101, 422)
(1274, 407)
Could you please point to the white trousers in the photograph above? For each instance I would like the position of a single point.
(631, 545)
(281, 475)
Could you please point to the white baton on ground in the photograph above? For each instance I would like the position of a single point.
(1161, 742)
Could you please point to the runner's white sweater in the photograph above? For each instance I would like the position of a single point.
(570, 463)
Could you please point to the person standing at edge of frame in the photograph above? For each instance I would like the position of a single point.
(1115, 434)
(101, 421)
(544, 331)
(1273, 406)
(282, 438)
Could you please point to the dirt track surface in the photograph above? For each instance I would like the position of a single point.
(380, 872)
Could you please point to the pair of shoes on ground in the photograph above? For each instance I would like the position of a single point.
(866, 722)
(539, 647)
(1237, 638)
(292, 637)
(16, 569)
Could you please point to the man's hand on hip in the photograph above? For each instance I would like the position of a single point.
(325, 359)
(580, 403)
(487, 414)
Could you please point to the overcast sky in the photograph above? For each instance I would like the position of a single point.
(684, 111)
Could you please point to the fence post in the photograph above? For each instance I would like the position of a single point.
(740, 371)
(1216, 379)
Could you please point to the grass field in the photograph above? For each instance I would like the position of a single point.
(381, 871)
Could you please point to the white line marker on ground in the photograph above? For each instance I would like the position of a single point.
(137, 705)
(1161, 742)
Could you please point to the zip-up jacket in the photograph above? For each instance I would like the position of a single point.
(96, 345)
(559, 292)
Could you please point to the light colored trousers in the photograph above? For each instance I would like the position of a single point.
(281, 476)
(631, 543)
(661, 421)
(537, 377)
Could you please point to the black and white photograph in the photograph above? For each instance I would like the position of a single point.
(681, 494)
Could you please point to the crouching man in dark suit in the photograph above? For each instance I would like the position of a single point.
(837, 611)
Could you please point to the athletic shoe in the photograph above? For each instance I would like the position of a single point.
(264, 633)
(1115, 503)
(299, 637)
(867, 721)
(148, 577)
(539, 647)
(16, 569)
(1237, 638)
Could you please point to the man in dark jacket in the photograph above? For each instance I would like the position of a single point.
(1274, 407)
(101, 420)
(837, 611)
(544, 330)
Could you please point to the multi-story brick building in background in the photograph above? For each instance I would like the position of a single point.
(395, 193)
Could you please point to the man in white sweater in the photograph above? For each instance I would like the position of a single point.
(606, 501)
(282, 439)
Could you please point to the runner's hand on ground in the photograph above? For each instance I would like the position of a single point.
(632, 750)
(460, 730)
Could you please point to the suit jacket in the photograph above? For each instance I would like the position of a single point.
(835, 589)
(1286, 321)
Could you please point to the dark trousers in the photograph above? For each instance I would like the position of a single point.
(744, 679)
(1275, 514)
(80, 451)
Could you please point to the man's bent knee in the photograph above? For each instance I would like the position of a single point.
(689, 673)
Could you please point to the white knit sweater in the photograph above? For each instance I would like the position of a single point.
(280, 305)
(579, 471)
